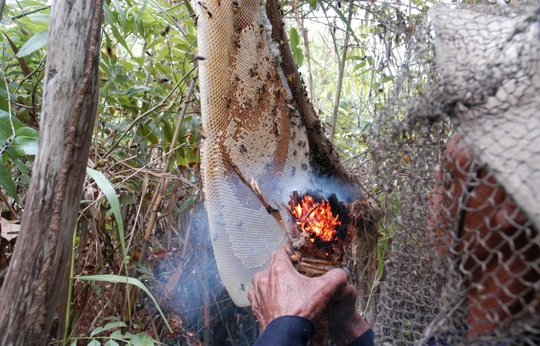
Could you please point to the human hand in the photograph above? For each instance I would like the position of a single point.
(280, 290)
(344, 322)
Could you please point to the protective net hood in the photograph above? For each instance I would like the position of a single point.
(490, 63)
(461, 178)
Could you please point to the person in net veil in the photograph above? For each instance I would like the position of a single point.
(484, 215)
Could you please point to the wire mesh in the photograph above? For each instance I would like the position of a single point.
(458, 171)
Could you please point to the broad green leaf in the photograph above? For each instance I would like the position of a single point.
(112, 197)
(24, 145)
(112, 343)
(312, 4)
(26, 141)
(117, 334)
(142, 339)
(108, 326)
(164, 69)
(356, 57)
(7, 183)
(35, 43)
(94, 343)
(126, 280)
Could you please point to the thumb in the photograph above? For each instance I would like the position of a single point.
(335, 279)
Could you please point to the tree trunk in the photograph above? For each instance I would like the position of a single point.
(40, 260)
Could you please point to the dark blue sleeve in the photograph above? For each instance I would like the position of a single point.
(366, 339)
(287, 330)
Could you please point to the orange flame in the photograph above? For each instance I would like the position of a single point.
(316, 218)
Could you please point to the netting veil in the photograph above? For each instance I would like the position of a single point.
(463, 194)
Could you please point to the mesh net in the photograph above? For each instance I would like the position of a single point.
(458, 169)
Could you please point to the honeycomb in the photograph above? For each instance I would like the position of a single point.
(252, 123)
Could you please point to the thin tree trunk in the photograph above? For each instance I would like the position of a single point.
(333, 122)
(2, 4)
(31, 289)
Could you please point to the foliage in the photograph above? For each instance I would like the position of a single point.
(145, 154)
(147, 61)
(379, 36)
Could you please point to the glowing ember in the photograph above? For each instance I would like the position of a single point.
(316, 219)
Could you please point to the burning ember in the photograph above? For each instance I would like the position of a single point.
(321, 230)
(316, 219)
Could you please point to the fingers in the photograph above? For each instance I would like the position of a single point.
(280, 257)
(254, 297)
(345, 293)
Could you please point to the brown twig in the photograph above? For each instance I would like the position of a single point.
(254, 187)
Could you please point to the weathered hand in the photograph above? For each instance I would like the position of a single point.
(280, 290)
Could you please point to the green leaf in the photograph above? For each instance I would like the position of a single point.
(136, 90)
(7, 183)
(312, 4)
(40, 17)
(298, 56)
(121, 13)
(126, 280)
(94, 343)
(112, 343)
(294, 37)
(387, 79)
(112, 197)
(26, 141)
(189, 202)
(118, 36)
(142, 339)
(108, 326)
(25, 145)
(358, 66)
(117, 334)
(35, 43)
(5, 125)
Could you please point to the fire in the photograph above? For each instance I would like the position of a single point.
(316, 218)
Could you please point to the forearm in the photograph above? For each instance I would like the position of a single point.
(287, 330)
(297, 331)
(366, 339)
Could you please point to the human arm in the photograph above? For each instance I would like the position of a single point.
(281, 291)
